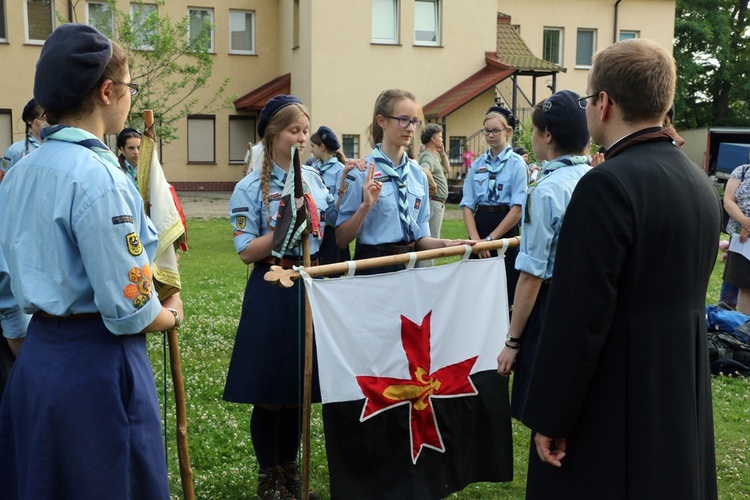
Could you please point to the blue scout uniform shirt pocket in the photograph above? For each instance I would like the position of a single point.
(481, 186)
(387, 202)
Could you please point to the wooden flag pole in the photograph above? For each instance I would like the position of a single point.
(286, 277)
(307, 388)
(175, 365)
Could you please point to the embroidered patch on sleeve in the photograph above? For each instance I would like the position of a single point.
(351, 177)
(240, 209)
(417, 203)
(122, 219)
(139, 288)
(346, 187)
(134, 244)
(241, 222)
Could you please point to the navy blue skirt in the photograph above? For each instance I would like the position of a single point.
(486, 223)
(80, 416)
(267, 365)
(330, 252)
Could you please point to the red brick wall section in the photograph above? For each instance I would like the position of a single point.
(203, 186)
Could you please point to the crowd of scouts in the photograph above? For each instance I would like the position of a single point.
(83, 366)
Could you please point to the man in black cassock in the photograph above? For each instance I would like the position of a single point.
(620, 393)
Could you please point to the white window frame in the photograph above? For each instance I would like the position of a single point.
(629, 34)
(239, 136)
(111, 32)
(201, 139)
(352, 139)
(27, 34)
(245, 13)
(559, 32)
(3, 22)
(210, 12)
(579, 32)
(435, 7)
(135, 8)
(393, 6)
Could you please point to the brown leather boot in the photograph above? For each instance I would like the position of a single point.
(292, 480)
(272, 485)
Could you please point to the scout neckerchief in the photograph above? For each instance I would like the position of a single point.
(82, 138)
(385, 165)
(548, 168)
(493, 195)
(31, 140)
(325, 166)
(132, 172)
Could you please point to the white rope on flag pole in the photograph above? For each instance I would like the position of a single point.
(467, 253)
(412, 260)
(352, 268)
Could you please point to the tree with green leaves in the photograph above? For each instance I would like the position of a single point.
(169, 59)
(712, 52)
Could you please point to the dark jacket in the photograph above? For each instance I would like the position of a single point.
(622, 368)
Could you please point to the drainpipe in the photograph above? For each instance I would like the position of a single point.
(617, 8)
(70, 11)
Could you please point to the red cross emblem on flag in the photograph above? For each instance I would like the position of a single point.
(384, 393)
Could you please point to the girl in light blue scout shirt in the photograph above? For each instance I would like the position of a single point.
(559, 136)
(387, 207)
(330, 165)
(80, 415)
(495, 190)
(33, 117)
(267, 361)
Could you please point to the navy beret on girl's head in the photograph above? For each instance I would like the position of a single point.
(72, 61)
(566, 120)
(509, 116)
(29, 111)
(271, 108)
(328, 138)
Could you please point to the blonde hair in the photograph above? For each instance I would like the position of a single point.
(278, 122)
(638, 75)
(384, 105)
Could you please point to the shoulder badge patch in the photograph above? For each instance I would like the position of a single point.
(241, 222)
(351, 177)
(122, 219)
(240, 209)
(134, 244)
(139, 287)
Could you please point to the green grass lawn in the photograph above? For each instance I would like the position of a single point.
(224, 467)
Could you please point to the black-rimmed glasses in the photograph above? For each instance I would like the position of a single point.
(494, 131)
(584, 101)
(132, 86)
(405, 121)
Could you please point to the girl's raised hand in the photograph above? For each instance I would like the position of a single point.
(371, 188)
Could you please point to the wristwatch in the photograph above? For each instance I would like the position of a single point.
(177, 319)
(489, 238)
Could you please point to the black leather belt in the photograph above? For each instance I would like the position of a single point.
(437, 198)
(288, 262)
(69, 316)
(395, 248)
(493, 208)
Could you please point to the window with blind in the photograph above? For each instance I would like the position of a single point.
(350, 145)
(241, 32)
(385, 21)
(585, 47)
(241, 132)
(629, 35)
(201, 137)
(552, 45)
(199, 18)
(39, 20)
(427, 22)
(3, 25)
(100, 16)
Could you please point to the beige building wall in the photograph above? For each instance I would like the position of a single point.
(338, 72)
(652, 19)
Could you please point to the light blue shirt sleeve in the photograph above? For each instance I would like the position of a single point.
(518, 181)
(469, 198)
(12, 319)
(116, 260)
(421, 199)
(538, 236)
(352, 197)
(245, 210)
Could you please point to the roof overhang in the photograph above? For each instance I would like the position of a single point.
(256, 99)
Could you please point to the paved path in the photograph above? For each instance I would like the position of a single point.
(211, 204)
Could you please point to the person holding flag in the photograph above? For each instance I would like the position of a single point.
(80, 415)
(266, 368)
(387, 207)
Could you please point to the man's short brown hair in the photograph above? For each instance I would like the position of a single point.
(638, 75)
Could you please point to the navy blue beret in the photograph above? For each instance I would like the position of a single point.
(566, 120)
(509, 116)
(328, 138)
(121, 136)
(29, 111)
(271, 108)
(72, 61)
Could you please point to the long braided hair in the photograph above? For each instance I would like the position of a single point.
(282, 119)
